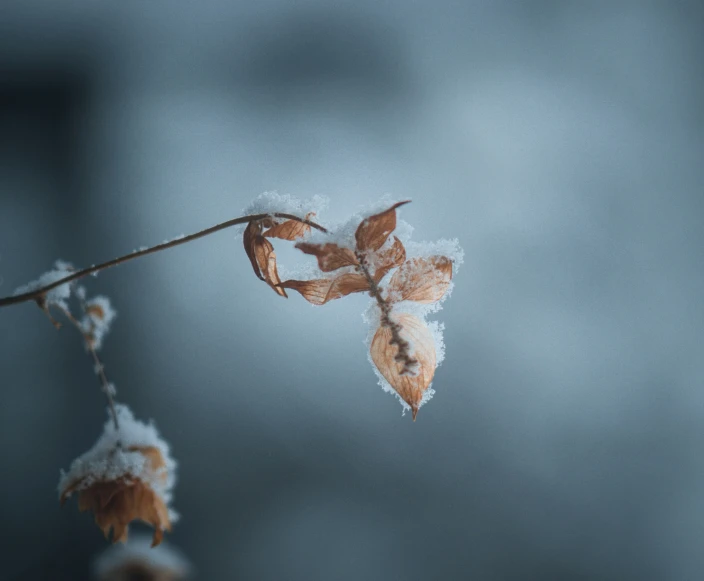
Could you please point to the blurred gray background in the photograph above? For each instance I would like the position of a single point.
(562, 142)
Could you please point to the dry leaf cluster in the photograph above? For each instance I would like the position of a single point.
(403, 348)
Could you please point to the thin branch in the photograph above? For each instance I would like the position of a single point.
(99, 368)
(38, 293)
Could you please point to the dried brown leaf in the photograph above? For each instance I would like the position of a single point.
(249, 238)
(290, 229)
(389, 258)
(320, 291)
(416, 332)
(116, 503)
(266, 260)
(330, 256)
(374, 230)
(423, 280)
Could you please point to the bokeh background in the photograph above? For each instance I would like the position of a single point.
(561, 142)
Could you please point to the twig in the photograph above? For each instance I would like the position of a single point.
(38, 293)
(99, 368)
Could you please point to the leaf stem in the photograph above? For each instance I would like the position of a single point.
(403, 348)
(99, 368)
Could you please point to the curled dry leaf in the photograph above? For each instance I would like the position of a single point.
(251, 232)
(290, 229)
(423, 280)
(374, 230)
(262, 256)
(320, 291)
(384, 355)
(266, 258)
(117, 502)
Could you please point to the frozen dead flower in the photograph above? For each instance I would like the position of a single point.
(125, 476)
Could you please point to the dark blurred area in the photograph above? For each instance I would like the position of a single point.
(562, 142)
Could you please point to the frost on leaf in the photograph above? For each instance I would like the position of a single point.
(55, 297)
(359, 256)
(422, 348)
(386, 259)
(289, 229)
(423, 280)
(127, 475)
(369, 248)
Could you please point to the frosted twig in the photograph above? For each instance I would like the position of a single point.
(36, 294)
(99, 367)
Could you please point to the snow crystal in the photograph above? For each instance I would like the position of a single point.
(403, 230)
(57, 296)
(342, 233)
(108, 461)
(97, 320)
(306, 270)
(445, 247)
(138, 551)
(273, 202)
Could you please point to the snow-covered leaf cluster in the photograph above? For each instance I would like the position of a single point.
(406, 280)
(110, 458)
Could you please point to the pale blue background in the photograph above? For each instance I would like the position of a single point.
(562, 142)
